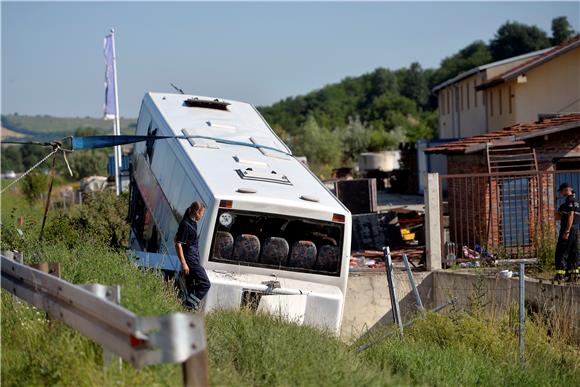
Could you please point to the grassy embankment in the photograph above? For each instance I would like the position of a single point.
(246, 349)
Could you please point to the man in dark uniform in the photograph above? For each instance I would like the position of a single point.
(567, 247)
(197, 283)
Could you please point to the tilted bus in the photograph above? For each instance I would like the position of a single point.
(273, 237)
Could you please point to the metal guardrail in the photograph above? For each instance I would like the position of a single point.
(91, 310)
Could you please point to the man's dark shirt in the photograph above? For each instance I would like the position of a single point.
(570, 205)
(187, 236)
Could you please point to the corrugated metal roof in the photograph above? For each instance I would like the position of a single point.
(509, 135)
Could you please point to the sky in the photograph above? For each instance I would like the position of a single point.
(52, 53)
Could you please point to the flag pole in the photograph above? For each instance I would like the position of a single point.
(117, 122)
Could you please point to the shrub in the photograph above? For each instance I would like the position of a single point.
(101, 219)
(33, 186)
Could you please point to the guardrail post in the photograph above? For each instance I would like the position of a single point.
(109, 358)
(432, 197)
(195, 370)
(16, 256)
(52, 268)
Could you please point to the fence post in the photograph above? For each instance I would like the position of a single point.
(413, 284)
(392, 290)
(432, 197)
(195, 370)
(522, 310)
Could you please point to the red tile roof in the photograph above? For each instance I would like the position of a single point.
(534, 62)
(509, 135)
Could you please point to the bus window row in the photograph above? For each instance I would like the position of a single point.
(276, 252)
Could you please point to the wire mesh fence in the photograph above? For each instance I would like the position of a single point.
(504, 214)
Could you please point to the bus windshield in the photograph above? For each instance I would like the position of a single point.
(277, 241)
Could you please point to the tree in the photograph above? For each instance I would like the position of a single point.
(31, 154)
(319, 145)
(86, 163)
(355, 138)
(473, 55)
(387, 140)
(513, 39)
(561, 30)
(11, 159)
(413, 84)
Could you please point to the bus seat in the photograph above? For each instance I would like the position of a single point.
(303, 255)
(329, 241)
(247, 248)
(327, 258)
(275, 251)
(224, 245)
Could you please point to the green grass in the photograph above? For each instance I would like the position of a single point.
(467, 350)
(456, 348)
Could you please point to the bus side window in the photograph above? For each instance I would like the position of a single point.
(150, 143)
(153, 241)
(137, 214)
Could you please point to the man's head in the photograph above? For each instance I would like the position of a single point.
(565, 189)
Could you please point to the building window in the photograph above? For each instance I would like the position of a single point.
(500, 102)
(510, 97)
(514, 202)
(474, 93)
(467, 93)
(491, 103)
(447, 103)
(461, 96)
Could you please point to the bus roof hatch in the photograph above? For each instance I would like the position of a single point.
(261, 174)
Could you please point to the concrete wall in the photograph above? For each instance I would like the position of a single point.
(368, 303)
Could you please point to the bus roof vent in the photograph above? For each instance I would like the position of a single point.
(262, 174)
(207, 103)
(246, 190)
(199, 142)
(309, 198)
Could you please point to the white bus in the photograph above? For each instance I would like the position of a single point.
(273, 237)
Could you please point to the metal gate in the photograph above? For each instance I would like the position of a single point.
(504, 215)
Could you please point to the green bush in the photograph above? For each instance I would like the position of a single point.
(34, 185)
(101, 219)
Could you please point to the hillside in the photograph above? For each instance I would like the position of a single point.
(382, 99)
(49, 127)
(382, 108)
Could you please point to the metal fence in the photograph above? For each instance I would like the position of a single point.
(92, 311)
(504, 215)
